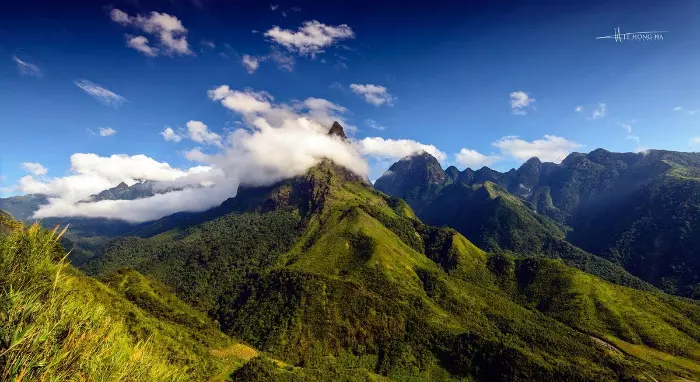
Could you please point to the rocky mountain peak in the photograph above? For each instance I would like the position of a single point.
(337, 130)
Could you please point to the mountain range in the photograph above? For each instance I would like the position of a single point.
(637, 210)
(429, 275)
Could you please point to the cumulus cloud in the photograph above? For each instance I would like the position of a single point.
(474, 159)
(310, 38)
(579, 109)
(107, 131)
(102, 95)
(27, 68)
(140, 43)
(381, 148)
(278, 141)
(253, 104)
(34, 168)
(170, 135)
(374, 94)
(91, 173)
(251, 63)
(199, 132)
(520, 102)
(171, 34)
(549, 149)
(599, 112)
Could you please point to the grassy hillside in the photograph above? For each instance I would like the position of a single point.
(345, 283)
(501, 222)
(58, 324)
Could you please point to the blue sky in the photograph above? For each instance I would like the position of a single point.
(455, 75)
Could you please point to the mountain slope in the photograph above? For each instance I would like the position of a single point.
(348, 278)
(59, 324)
(654, 198)
(495, 219)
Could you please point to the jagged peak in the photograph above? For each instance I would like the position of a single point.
(337, 130)
(572, 158)
(533, 161)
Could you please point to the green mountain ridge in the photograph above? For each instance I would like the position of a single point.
(326, 273)
(606, 203)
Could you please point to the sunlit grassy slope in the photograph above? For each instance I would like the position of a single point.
(57, 324)
(331, 276)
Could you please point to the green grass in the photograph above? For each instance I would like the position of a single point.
(344, 283)
(50, 332)
(57, 324)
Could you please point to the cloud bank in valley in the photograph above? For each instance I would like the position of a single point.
(278, 141)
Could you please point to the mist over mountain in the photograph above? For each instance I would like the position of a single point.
(324, 272)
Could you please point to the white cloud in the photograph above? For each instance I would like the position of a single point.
(170, 135)
(282, 140)
(599, 112)
(278, 141)
(34, 168)
(549, 149)
(520, 102)
(684, 110)
(27, 68)
(373, 94)
(251, 63)
(103, 95)
(91, 173)
(140, 210)
(579, 109)
(474, 159)
(694, 141)
(107, 131)
(169, 31)
(627, 127)
(140, 43)
(373, 124)
(274, 7)
(311, 38)
(394, 149)
(252, 105)
(199, 132)
(208, 44)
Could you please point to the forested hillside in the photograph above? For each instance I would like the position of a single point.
(334, 276)
(637, 210)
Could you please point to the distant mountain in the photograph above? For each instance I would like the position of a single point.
(87, 235)
(23, 207)
(125, 192)
(322, 264)
(640, 210)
